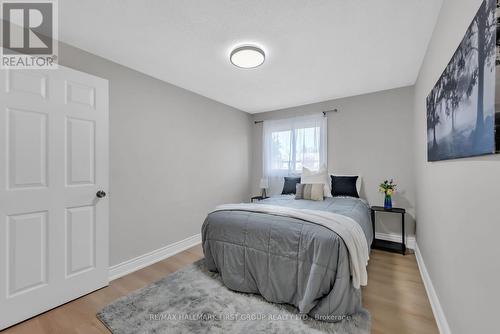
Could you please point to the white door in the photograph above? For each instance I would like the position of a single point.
(53, 161)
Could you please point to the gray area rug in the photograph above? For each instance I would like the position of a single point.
(194, 300)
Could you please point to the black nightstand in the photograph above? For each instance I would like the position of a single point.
(390, 246)
(257, 198)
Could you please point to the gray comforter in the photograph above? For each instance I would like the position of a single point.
(287, 260)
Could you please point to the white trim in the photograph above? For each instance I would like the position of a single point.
(129, 266)
(410, 241)
(441, 321)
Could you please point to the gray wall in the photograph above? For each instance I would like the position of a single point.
(371, 136)
(174, 155)
(458, 221)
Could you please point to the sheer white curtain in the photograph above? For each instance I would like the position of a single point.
(293, 143)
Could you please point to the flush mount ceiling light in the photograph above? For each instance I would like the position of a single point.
(248, 56)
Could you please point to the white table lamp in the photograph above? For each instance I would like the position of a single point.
(264, 184)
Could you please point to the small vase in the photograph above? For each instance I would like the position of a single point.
(388, 202)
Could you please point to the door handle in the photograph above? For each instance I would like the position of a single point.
(100, 194)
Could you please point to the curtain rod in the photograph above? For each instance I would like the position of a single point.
(323, 112)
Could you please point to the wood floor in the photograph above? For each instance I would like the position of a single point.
(395, 297)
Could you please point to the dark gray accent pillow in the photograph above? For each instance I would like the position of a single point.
(344, 186)
(290, 185)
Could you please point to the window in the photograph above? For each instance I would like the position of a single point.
(293, 143)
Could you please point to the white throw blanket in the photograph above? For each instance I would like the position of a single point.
(351, 233)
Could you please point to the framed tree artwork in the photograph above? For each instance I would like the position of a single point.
(461, 106)
(497, 89)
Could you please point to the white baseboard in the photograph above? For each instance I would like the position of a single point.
(410, 241)
(441, 321)
(129, 266)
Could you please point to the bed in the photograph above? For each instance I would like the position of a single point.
(285, 259)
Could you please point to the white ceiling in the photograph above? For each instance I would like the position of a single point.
(316, 49)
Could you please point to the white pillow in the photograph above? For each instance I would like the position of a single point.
(317, 177)
(358, 182)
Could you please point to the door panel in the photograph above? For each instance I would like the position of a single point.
(53, 160)
(80, 240)
(80, 94)
(27, 252)
(80, 144)
(23, 82)
(27, 148)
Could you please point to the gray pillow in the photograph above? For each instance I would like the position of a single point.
(310, 191)
(289, 185)
(344, 186)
